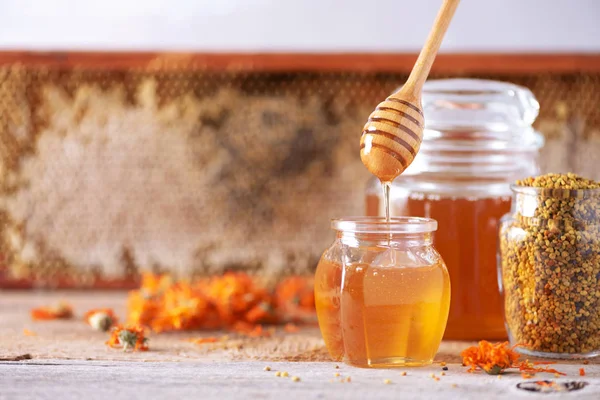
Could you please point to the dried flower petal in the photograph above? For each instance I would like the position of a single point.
(61, 311)
(496, 358)
(295, 297)
(232, 301)
(27, 332)
(251, 330)
(129, 338)
(210, 339)
(291, 328)
(493, 359)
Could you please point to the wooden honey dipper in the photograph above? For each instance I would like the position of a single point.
(393, 134)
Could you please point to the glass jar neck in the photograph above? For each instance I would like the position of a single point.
(398, 232)
(476, 156)
(395, 240)
(478, 136)
(540, 204)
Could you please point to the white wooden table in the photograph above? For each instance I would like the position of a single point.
(71, 362)
(68, 379)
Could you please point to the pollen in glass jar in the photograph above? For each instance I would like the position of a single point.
(383, 297)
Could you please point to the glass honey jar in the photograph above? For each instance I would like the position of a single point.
(382, 292)
(478, 139)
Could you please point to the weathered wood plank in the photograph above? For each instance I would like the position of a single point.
(71, 362)
(242, 380)
(505, 63)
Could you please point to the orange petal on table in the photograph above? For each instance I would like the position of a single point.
(62, 311)
(115, 342)
(27, 332)
(210, 339)
(291, 328)
(251, 330)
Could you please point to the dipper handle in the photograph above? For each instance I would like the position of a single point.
(420, 71)
(393, 133)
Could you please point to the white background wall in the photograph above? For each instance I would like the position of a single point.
(297, 25)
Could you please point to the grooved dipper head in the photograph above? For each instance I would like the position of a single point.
(392, 136)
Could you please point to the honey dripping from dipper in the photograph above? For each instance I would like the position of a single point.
(392, 137)
(382, 291)
(386, 186)
(393, 133)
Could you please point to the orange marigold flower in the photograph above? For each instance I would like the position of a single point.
(182, 307)
(101, 319)
(492, 358)
(131, 337)
(216, 303)
(155, 284)
(61, 311)
(262, 312)
(296, 291)
(495, 358)
(142, 308)
(233, 295)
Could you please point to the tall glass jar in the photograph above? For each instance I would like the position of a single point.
(550, 267)
(478, 139)
(382, 292)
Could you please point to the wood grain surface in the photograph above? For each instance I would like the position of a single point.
(75, 340)
(70, 361)
(60, 379)
(471, 63)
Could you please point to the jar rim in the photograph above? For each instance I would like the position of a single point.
(402, 225)
(558, 192)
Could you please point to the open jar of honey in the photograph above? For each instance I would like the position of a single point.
(382, 292)
(478, 139)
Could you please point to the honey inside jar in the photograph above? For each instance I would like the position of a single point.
(392, 316)
(382, 302)
(383, 317)
(328, 280)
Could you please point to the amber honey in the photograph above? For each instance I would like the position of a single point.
(467, 239)
(374, 316)
(328, 278)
